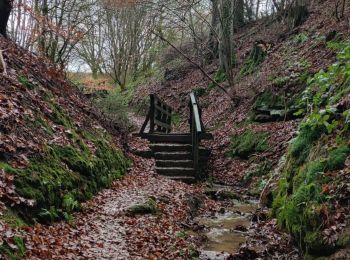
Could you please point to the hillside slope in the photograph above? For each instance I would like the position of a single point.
(56, 150)
(250, 150)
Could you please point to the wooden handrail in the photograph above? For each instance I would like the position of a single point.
(159, 116)
(197, 129)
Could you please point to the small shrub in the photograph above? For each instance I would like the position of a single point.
(301, 38)
(49, 215)
(248, 143)
(182, 234)
(115, 105)
(281, 81)
(70, 204)
(176, 119)
(200, 92)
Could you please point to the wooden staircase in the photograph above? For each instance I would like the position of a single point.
(178, 156)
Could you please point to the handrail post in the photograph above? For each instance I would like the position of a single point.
(152, 113)
(195, 149)
(196, 129)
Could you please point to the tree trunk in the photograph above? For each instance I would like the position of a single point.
(5, 10)
(238, 14)
(213, 39)
(226, 54)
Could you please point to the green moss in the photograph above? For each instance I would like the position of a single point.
(301, 38)
(260, 170)
(297, 201)
(219, 77)
(337, 158)
(256, 57)
(176, 119)
(281, 81)
(14, 253)
(25, 82)
(343, 241)
(7, 168)
(314, 242)
(248, 143)
(268, 100)
(59, 116)
(302, 145)
(11, 218)
(149, 207)
(311, 173)
(199, 92)
(182, 234)
(63, 176)
(39, 122)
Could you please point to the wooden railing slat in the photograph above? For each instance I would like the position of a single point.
(159, 123)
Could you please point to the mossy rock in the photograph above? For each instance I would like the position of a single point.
(222, 194)
(248, 143)
(269, 107)
(149, 207)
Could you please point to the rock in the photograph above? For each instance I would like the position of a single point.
(149, 207)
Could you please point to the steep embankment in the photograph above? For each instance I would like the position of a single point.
(55, 151)
(278, 89)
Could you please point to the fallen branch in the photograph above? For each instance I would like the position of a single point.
(3, 64)
(195, 64)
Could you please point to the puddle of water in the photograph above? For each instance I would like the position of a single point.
(223, 239)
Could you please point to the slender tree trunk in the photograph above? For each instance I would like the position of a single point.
(238, 14)
(213, 40)
(5, 10)
(226, 53)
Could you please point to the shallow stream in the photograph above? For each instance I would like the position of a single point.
(226, 231)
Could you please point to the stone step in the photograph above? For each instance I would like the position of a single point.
(173, 156)
(174, 163)
(175, 171)
(203, 154)
(163, 147)
(172, 138)
(143, 153)
(185, 179)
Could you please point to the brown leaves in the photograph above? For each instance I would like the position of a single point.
(103, 229)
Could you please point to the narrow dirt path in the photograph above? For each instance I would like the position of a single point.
(104, 230)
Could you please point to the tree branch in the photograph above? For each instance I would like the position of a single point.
(195, 64)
